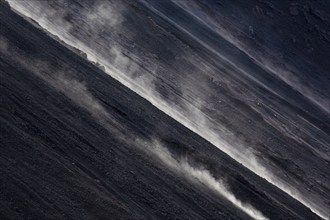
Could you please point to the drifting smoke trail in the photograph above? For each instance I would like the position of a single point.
(78, 93)
(144, 88)
(200, 175)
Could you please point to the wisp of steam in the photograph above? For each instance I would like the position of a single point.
(78, 92)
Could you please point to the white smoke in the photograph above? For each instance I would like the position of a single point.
(105, 14)
(199, 175)
(79, 93)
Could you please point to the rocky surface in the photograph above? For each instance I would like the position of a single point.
(71, 134)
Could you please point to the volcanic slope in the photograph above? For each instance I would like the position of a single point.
(77, 144)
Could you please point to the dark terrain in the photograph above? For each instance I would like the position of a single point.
(76, 143)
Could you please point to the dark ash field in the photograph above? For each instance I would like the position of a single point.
(169, 109)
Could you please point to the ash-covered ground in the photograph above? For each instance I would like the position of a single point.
(164, 109)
